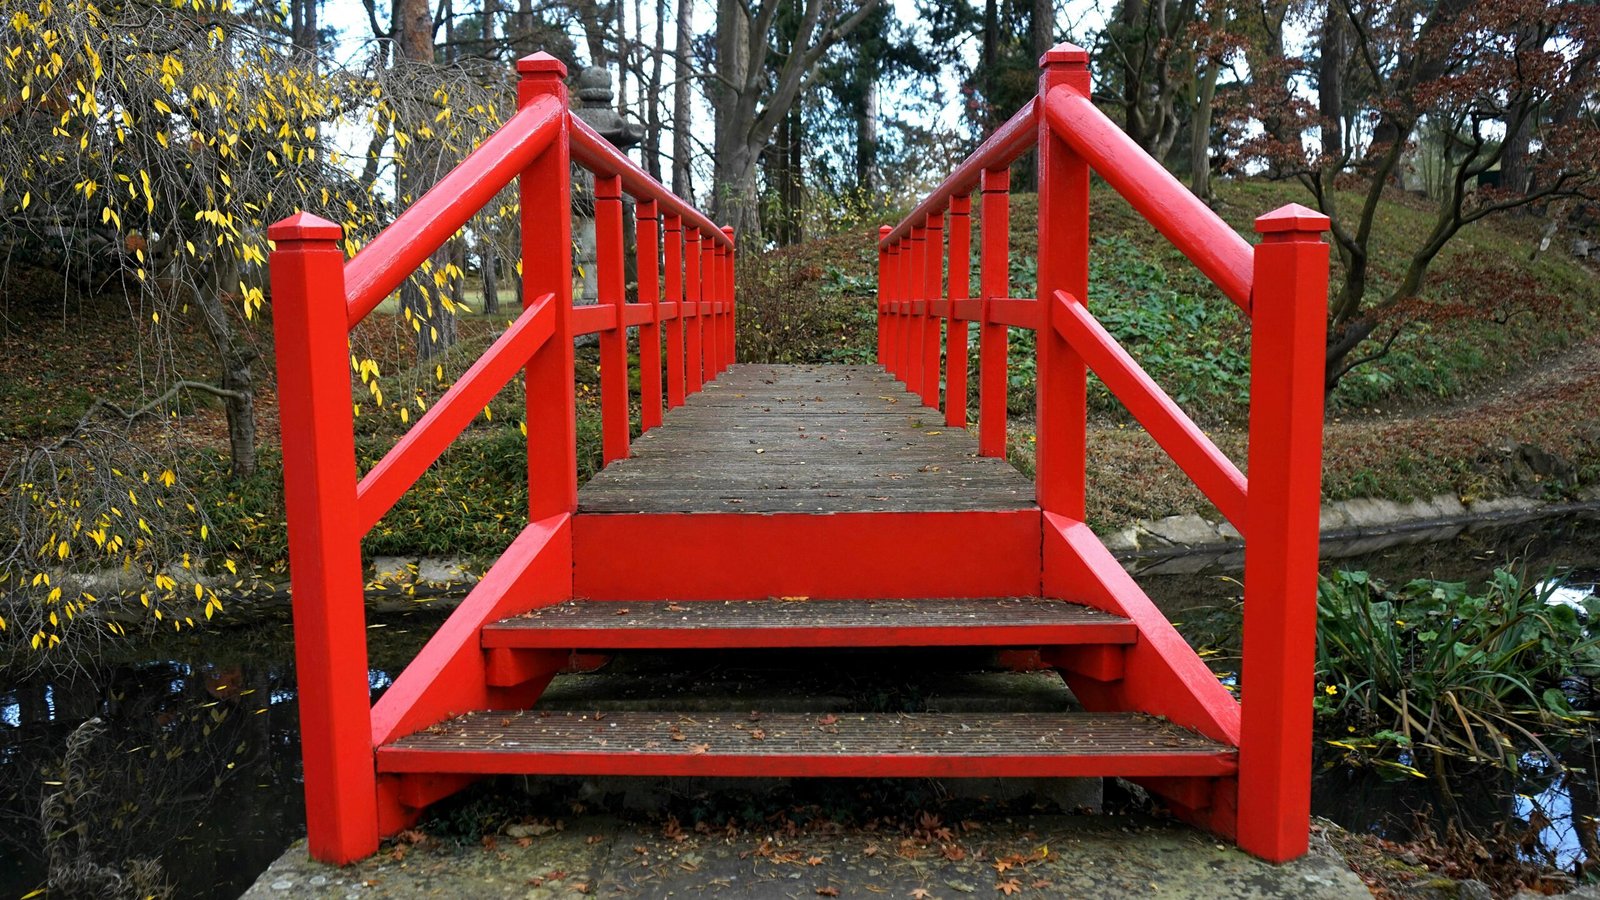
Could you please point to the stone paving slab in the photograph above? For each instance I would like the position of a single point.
(1036, 856)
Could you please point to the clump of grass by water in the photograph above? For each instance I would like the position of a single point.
(1436, 666)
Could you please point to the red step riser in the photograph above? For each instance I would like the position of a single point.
(396, 761)
(744, 556)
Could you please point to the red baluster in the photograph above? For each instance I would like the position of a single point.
(691, 291)
(932, 276)
(885, 291)
(614, 339)
(674, 261)
(648, 251)
(994, 273)
(955, 335)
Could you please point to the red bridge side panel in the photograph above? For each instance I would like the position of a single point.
(741, 556)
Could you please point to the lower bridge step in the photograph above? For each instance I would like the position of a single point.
(659, 624)
(843, 745)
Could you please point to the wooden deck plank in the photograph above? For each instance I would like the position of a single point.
(846, 744)
(810, 439)
(998, 621)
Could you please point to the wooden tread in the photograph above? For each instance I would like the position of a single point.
(621, 624)
(841, 745)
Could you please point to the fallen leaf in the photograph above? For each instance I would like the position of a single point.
(814, 861)
(827, 891)
(699, 748)
(1008, 887)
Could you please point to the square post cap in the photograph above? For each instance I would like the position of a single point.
(1292, 218)
(303, 226)
(1064, 53)
(541, 63)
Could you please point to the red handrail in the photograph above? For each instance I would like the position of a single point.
(601, 157)
(1281, 284)
(318, 298)
(1149, 188)
(1017, 136)
(411, 238)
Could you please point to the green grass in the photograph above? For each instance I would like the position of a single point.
(1189, 336)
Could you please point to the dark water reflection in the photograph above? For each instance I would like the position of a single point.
(198, 760)
(1555, 808)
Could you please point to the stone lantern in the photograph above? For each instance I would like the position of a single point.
(594, 94)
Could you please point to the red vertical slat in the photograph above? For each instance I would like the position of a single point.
(691, 303)
(731, 294)
(674, 284)
(613, 340)
(319, 487)
(994, 273)
(955, 335)
(1063, 266)
(708, 306)
(932, 276)
(648, 251)
(1288, 333)
(916, 276)
(883, 298)
(546, 216)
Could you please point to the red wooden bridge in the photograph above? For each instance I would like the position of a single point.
(843, 485)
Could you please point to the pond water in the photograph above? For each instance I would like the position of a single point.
(189, 753)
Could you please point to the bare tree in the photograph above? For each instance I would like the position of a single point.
(749, 104)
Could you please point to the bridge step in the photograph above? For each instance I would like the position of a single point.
(657, 624)
(836, 745)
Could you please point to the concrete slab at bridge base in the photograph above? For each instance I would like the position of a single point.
(1046, 856)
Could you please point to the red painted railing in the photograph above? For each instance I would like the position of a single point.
(1280, 283)
(318, 297)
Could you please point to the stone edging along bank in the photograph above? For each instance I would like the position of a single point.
(1192, 543)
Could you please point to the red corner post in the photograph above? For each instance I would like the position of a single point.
(1288, 345)
(955, 334)
(1063, 266)
(674, 284)
(994, 283)
(546, 194)
(648, 249)
(311, 329)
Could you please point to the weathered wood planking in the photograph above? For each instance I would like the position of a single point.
(813, 439)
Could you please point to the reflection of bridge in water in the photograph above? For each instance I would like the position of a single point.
(855, 490)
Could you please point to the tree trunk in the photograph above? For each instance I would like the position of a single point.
(652, 139)
(681, 115)
(422, 304)
(235, 358)
(1330, 84)
(488, 261)
(990, 62)
(1200, 117)
(867, 128)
